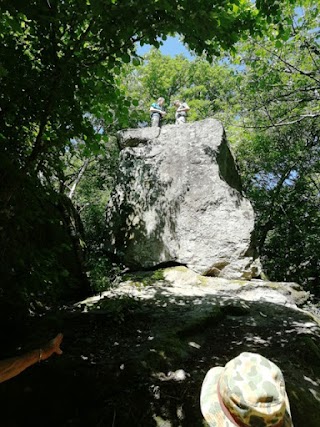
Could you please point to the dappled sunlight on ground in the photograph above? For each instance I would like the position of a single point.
(137, 355)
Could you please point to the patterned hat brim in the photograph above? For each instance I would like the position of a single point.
(210, 404)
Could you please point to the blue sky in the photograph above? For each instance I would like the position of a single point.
(172, 46)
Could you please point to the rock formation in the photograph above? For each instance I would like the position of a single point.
(178, 199)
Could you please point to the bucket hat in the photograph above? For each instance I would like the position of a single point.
(248, 392)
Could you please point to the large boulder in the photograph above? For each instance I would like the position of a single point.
(178, 198)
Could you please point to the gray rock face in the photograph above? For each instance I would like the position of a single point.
(178, 199)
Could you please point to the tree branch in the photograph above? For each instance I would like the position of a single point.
(288, 64)
(76, 182)
(279, 124)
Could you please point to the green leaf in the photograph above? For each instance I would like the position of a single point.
(136, 61)
(125, 58)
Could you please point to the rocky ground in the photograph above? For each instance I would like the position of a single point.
(137, 355)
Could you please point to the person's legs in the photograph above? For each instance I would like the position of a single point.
(155, 120)
(181, 120)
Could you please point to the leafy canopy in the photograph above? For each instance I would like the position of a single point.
(60, 61)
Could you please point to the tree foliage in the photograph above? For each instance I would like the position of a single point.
(278, 123)
(66, 55)
(206, 87)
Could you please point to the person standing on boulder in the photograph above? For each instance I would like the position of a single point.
(181, 112)
(157, 112)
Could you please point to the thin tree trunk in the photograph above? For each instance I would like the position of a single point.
(78, 179)
(75, 230)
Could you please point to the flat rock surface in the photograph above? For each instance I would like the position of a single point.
(137, 354)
